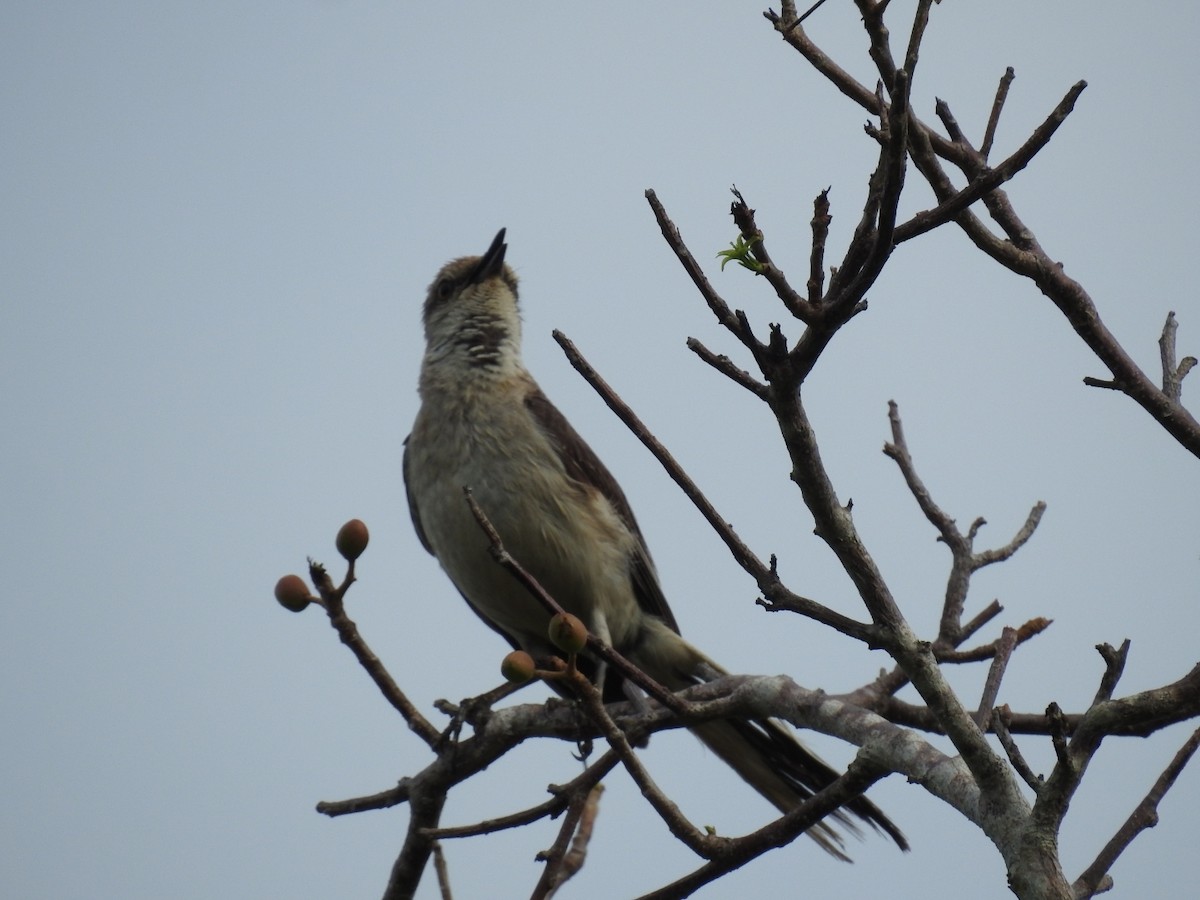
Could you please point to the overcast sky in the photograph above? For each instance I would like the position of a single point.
(219, 220)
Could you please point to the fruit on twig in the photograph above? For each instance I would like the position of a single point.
(292, 593)
(518, 667)
(568, 633)
(352, 539)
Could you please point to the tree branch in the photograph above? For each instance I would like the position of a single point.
(989, 133)
(333, 600)
(765, 576)
(1144, 816)
(1172, 373)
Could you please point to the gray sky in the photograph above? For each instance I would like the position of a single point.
(219, 220)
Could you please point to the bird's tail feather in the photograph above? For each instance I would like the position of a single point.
(763, 751)
(787, 773)
(731, 741)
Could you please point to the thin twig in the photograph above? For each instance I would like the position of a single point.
(743, 217)
(1114, 666)
(889, 682)
(800, 18)
(696, 840)
(984, 181)
(675, 241)
(859, 776)
(562, 794)
(1172, 374)
(1029, 629)
(1144, 816)
(725, 366)
(565, 857)
(991, 688)
(577, 853)
(1058, 736)
(874, 238)
(943, 112)
(1024, 533)
(964, 560)
(898, 451)
(333, 599)
(821, 221)
(1021, 253)
(989, 133)
(1000, 720)
(443, 872)
(981, 618)
(920, 21)
(381, 800)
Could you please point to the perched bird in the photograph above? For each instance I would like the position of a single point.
(485, 423)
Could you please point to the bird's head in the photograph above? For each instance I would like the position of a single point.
(471, 316)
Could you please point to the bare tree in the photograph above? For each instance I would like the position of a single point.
(988, 782)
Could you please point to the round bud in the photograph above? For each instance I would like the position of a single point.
(568, 633)
(292, 593)
(352, 539)
(518, 667)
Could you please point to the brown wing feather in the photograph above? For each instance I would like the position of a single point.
(582, 464)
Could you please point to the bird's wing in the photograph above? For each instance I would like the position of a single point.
(582, 464)
(412, 504)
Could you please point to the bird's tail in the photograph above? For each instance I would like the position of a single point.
(762, 751)
(787, 773)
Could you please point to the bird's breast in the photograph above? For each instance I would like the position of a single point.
(564, 533)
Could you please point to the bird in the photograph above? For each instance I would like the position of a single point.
(485, 424)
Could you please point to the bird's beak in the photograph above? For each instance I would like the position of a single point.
(492, 262)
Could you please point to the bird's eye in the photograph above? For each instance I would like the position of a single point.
(444, 288)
